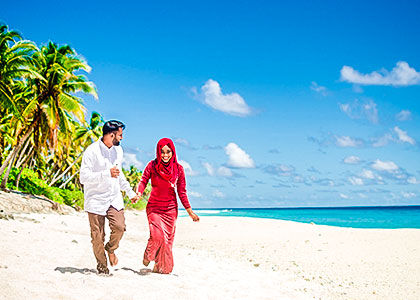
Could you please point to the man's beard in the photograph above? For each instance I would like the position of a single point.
(115, 142)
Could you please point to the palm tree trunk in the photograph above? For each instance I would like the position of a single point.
(6, 175)
(64, 173)
(15, 150)
(67, 181)
(25, 158)
(25, 163)
(20, 174)
(54, 176)
(22, 156)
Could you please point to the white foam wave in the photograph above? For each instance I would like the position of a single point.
(212, 212)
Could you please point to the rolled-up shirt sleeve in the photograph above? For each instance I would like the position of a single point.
(181, 188)
(87, 175)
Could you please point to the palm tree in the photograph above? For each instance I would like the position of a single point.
(52, 104)
(15, 69)
(55, 103)
(84, 135)
(88, 133)
(15, 65)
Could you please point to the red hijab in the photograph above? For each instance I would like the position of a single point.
(169, 170)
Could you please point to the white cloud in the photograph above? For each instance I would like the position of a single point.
(370, 177)
(368, 174)
(182, 141)
(345, 108)
(209, 168)
(218, 194)
(232, 104)
(401, 75)
(344, 196)
(356, 180)
(195, 194)
(299, 179)
(361, 195)
(370, 110)
(352, 160)
(382, 141)
(322, 181)
(130, 159)
(387, 166)
(285, 170)
(187, 168)
(413, 180)
(221, 171)
(404, 115)
(319, 89)
(346, 141)
(224, 172)
(238, 158)
(408, 194)
(403, 136)
(280, 169)
(396, 135)
(366, 110)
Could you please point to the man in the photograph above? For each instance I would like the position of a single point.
(103, 181)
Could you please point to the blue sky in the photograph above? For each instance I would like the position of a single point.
(270, 103)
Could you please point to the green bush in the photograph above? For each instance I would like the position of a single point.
(73, 198)
(30, 183)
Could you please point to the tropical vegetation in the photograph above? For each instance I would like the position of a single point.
(43, 130)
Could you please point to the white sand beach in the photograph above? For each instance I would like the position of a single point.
(49, 256)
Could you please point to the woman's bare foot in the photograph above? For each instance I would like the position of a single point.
(113, 260)
(146, 262)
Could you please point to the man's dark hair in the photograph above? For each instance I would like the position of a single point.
(111, 126)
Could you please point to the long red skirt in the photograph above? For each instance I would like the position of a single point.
(162, 233)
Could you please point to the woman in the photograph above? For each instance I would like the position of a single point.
(162, 208)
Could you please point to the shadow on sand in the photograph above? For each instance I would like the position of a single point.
(142, 272)
(75, 270)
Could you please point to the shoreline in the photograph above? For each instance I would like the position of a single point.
(17, 202)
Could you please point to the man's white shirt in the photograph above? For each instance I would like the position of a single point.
(100, 189)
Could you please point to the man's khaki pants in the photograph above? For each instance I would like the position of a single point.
(97, 231)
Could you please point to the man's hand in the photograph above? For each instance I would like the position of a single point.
(135, 198)
(115, 172)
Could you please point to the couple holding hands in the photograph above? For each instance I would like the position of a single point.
(103, 182)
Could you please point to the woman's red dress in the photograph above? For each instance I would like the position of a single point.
(162, 212)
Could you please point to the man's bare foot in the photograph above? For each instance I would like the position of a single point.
(113, 260)
(146, 262)
(102, 269)
(155, 269)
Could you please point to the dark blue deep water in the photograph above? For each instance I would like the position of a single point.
(356, 217)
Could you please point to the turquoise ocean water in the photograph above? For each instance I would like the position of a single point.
(356, 217)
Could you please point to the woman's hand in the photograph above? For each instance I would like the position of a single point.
(193, 216)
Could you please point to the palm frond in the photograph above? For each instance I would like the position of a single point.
(30, 108)
(73, 105)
